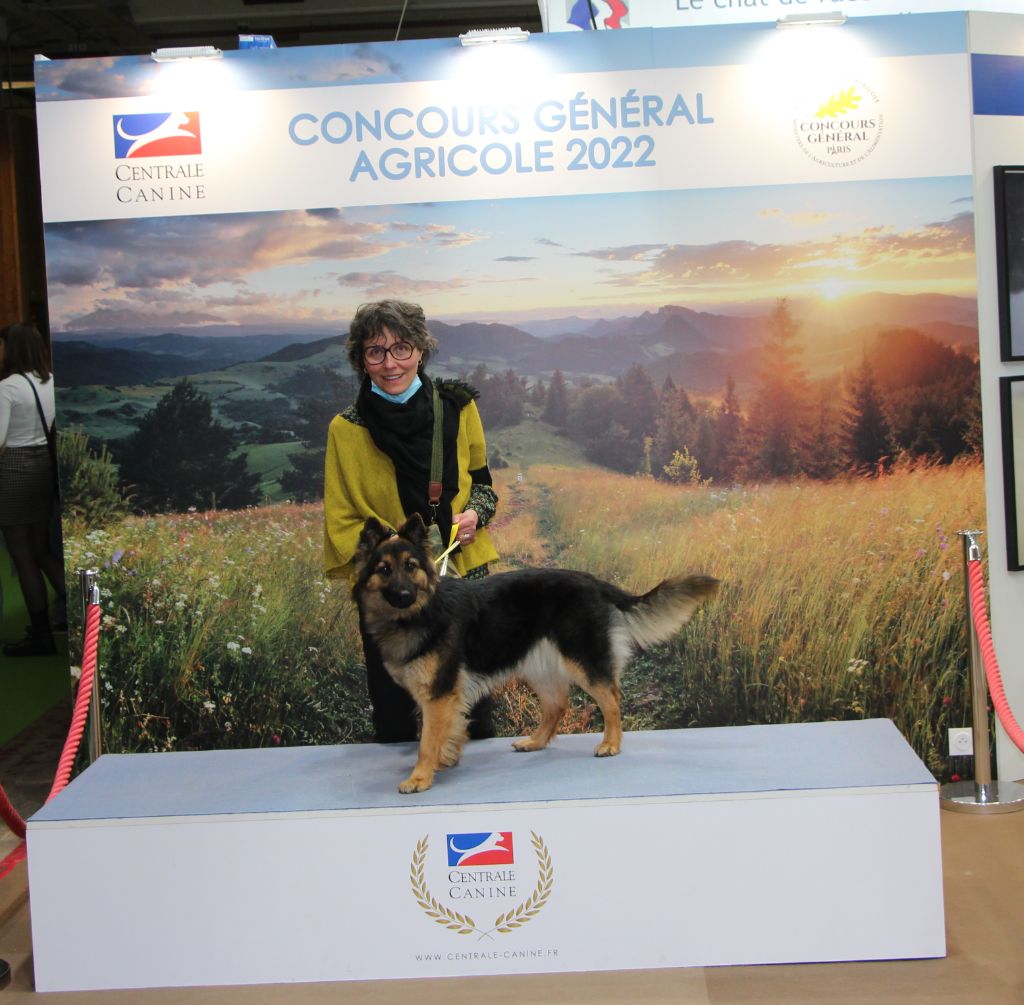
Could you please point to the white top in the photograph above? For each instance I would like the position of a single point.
(19, 417)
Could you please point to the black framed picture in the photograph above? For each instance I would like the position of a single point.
(1011, 399)
(1009, 199)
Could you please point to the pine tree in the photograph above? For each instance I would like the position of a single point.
(556, 411)
(866, 430)
(729, 429)
(780, 414)
(181, 457)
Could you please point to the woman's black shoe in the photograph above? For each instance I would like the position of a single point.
(31, 645)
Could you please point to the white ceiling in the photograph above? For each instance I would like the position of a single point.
(64, 29)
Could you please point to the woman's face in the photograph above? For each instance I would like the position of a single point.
(391, 375)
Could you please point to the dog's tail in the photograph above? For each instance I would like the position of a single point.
(660, 613)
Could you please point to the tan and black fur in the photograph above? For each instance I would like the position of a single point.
(449, 641)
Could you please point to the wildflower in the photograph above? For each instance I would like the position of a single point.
(954, 778)
(117, 556)
(247, 650)
(76, 672)
(233, 646)
(209, 706)
(947, 701)
(946, 575)
(275, 739)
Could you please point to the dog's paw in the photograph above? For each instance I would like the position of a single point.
(528, 743)
(415, 783)
(450, 760)
(606, 749)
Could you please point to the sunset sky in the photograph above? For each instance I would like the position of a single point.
(514, 259)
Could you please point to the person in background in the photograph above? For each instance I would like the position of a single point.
(378, 465)
(28, 482)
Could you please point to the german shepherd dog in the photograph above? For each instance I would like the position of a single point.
(448, 641)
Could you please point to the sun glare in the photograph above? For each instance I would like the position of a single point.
(833, 289)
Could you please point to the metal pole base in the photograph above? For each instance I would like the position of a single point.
(976, 797)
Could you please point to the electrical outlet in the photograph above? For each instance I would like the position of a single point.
(961, 742)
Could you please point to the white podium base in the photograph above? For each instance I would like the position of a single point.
(759, 844)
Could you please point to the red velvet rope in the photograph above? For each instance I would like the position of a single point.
(988, 654)
(8, 813)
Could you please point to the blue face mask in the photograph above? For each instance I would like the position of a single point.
(399, 399)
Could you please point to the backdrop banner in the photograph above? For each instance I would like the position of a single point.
(716, 287)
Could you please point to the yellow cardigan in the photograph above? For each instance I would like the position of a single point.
(359, 482)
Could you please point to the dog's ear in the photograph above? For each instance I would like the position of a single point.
(372, 534)
(414, 530)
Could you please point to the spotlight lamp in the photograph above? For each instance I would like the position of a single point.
(186, 52)
(491, 36)
(828, 18)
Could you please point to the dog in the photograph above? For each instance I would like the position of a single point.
(450, 641)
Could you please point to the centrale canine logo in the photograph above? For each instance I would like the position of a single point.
(157, 134)
(843, 129)
(490, 848)
(481, 867)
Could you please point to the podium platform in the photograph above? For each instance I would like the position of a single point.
(756, 844)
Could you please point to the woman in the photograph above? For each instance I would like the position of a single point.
(378, 464)
(28, 480)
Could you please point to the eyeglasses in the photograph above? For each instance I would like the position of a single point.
(376, 354)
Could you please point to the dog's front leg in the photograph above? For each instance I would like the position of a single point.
(438, 720)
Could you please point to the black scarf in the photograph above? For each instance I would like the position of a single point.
(405, 434)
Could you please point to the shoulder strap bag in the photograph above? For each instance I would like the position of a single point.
(51, 435)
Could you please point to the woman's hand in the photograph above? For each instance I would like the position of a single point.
(467, 522)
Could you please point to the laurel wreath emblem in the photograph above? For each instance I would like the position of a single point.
(463, 924)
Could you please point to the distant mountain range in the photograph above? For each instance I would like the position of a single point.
(697, 348)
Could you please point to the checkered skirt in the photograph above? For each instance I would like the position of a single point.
(26, 485)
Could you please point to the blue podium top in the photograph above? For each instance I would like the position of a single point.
(657, 764)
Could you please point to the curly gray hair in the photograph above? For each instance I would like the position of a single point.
(404, 320)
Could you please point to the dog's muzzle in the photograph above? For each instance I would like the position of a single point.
(399, 597)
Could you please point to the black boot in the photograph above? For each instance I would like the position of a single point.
(38, 640)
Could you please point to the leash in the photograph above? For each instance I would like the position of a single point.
(442, 560)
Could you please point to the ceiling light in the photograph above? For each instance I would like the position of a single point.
(809, 20)
(489, 36)
(186, 52)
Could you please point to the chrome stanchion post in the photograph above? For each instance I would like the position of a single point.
(90, 596)
(983, 795)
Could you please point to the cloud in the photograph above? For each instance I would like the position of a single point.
(515, 258)
(204, 250)
(627, 253)
(803, 218)
(375, 284)
(935, 250)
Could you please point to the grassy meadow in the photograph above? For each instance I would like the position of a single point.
(840, 600)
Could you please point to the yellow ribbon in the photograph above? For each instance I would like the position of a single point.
(442, 560)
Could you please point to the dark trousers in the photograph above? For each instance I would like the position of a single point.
(393, 709)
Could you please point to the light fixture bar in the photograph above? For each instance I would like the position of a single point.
(490, 36)
(828, 18)
(186, 52)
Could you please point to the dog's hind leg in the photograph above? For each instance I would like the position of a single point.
(609, 700)
(439, 718)
(553, 704)
(543, 671)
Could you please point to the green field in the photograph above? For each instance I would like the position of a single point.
(840, 600)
